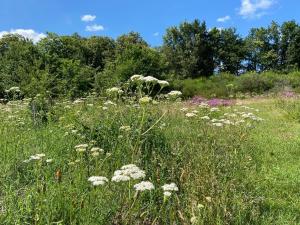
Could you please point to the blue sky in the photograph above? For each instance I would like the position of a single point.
(33, 18)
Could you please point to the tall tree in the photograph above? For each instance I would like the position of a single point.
(288, 32)
(188, 50)
(229, 50)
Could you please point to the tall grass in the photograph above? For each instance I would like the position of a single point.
(189, 161)
(205, 161)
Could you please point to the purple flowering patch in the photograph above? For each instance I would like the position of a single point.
(196, 100)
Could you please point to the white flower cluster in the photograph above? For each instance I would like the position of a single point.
(214, 109)
(140, 79)
(189, 115)
(128, 172)
(145, 100)
(37, 157)
(109, 103)
(125, 128)
(114, 91)
(235, 118)
(150, 79)
(169, 188)
(250, 115)
(13, 89)
(78, 101)
(81, 147)
(95, 151)
(203, 105)
(174, 95)
(144, 186)
(136, 78)
(98, 180)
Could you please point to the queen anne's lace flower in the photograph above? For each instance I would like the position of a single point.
(81, 147)
(136, 78)
(143, 186)
(114, 91)
(189, 115)
(174, 94)
(145, 100)
(128, 172)
(119, 178)
(150, 79)
(163, 83)
(205, 118)
(98, 180)
(170, 187)
(167, 193)
(125, 128)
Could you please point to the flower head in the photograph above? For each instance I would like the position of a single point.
(98, 180)
(145, 100)
(137, 78)
(163, 83)
(189, 115)
(170, 187)
(143, 186)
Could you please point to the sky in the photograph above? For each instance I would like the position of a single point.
(33, 18)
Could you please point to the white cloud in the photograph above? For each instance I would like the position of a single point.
(223, 19)
(27, 33)
(156, 34)
(94, 27)
(254, 8)
(88, 18)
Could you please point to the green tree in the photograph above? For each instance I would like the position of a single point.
(229, 50)
(19, 58)
(100, 50)
(288, 32)
(188, 50)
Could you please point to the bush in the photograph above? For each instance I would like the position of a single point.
(227, 85)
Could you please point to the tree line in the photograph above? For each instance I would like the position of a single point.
(73, 65)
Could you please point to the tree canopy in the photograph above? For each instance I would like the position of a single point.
(71, 65)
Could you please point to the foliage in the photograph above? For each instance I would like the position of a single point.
(226, 85)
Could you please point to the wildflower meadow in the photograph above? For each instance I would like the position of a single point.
(142, 155)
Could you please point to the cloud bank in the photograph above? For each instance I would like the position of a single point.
(27, 33)
(255, 8)
(88, 18)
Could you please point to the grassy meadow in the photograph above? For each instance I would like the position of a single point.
(133, 159)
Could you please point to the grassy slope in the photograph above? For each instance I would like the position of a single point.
(274, 143)
(277, 142)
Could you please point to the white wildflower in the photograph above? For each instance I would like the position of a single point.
(98, 180)
(214, 109)
(189, 115)
(217, 124)
(163, 83)
(138, 175)
(167, 193)
(150, 79)
(109, 103)
(114, 91)
(205, 118)
(143, 186)
(170, 187)
(81, 146)
(145, 100)
(125, 128)
(119, 178)
(174, 94)
(136, 78)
